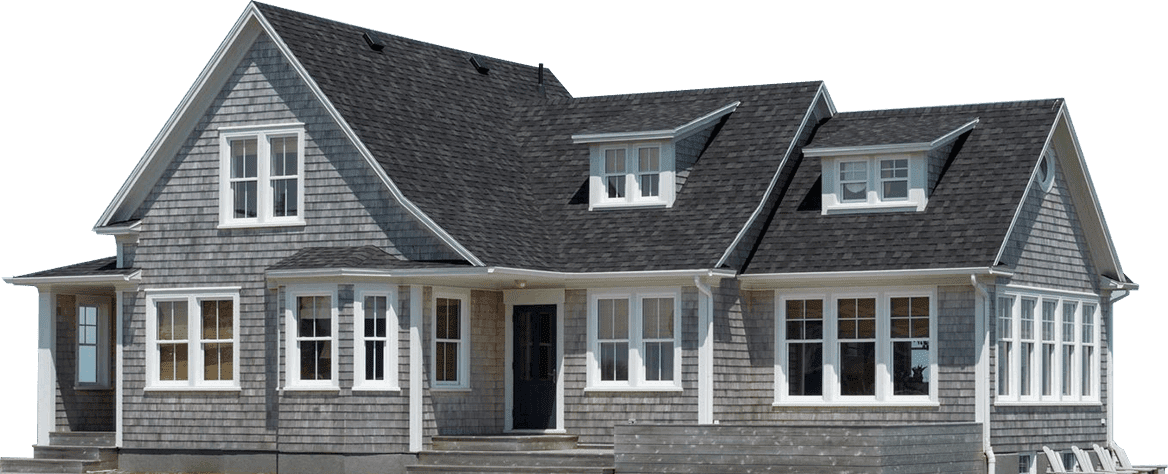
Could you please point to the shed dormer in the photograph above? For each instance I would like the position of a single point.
(882, 164)
(643, 167)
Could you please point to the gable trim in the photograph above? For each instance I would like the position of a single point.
(668, 134)
(892, 147)
(1090, 213)
(820, 95)
(230, 51)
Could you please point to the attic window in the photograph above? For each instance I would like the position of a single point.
(1045, 174)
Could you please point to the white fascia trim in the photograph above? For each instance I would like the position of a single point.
(180, 111)
(699, 272)
(119, 230)
(482, 271)
(669, 134)
(68, 280)
(1114, 285)
(892, 147)
(352, 135)
(927, 272)
(820, 94)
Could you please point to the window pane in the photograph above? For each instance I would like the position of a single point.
(1047, 369)
(374, 360)
(658, 361)
(895, 189)
(805, 369)
(375, 316)
(217, 319)
(854, 181)
(616, 186)
(858, 368)
(315, 360)
(315, 316)
(614, 361)
(649, 158)
(614, 161)
(1048, 310)
(284, 197)
(243, 158)
(1027, 368)
(449, 318)
(217, 361)
(1088, 370)
(1068, 369)
(1004, 354)
(283, 156)
(650, 185)
(172, 362)
(910, 368)
(87, 364)
(244, 198)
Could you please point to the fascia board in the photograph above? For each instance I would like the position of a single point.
(1095, 210)
(892, 147)
(197, 94)
(410, 207)
(119, 230)
(74, 280)
(669, 134)
(820, 95)
(779, 278)
(497, 272)
(201, 92)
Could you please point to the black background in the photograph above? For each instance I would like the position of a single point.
(90, 86)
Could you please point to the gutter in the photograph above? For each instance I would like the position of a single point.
(67, 280)
(494, 272)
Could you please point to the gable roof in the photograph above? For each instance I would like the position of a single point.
(969, 211)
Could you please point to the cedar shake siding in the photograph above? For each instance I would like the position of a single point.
(180, 246)
(80, 408)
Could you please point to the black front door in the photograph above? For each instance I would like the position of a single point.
(534, 367)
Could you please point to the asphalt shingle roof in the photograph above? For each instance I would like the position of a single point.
(885, 127)
(100, 267)
(968, 213)
(366, 257)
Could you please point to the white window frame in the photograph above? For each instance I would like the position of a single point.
(1063, 301)
(637, 378)
(195, 377)
(832, 193)
(292, 379)
(264, 201)
(598, 181)
(464, 340)
(884, 393)
(392, 330)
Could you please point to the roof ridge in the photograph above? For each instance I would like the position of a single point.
(680, 92)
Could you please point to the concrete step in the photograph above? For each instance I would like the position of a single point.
(24, 465)
(514, 470)
(564, 458)
(82, 438)
(97, 458)
(504, 443)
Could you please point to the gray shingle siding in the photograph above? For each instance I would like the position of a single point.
(79, 409)
(478, 410)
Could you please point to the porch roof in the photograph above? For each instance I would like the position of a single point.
(93, 271)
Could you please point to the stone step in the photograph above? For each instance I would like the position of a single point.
(97, 458)
(590, 458)
(82, 438)
(504, 443)
(25, 465)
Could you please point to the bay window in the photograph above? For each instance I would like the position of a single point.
(634, 340)
(311, 329)
(856, 346)
(375, 335)
(1049, 357)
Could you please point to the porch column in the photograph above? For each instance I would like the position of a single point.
(118, 372)
(705, 352)
(46, 367)
(415, 368)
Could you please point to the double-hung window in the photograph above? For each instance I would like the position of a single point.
(261, 175)
(375, 338)
(856, 346)
(631, 175)
(450, 356)
(192, 339)
(92, 342)
(1046, 347)
(634, 340)
(885, 182)
(311, 328)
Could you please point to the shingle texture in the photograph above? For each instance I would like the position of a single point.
(99, 267)
(886, 127)
(365, 257)
(490, 160)
(968, 213)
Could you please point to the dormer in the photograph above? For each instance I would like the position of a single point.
(644, 168)
(882, 163)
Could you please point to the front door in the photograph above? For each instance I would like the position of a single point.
(534, 406)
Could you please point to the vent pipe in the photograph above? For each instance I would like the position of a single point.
(541, 78)
(479, 66)
(375, 43)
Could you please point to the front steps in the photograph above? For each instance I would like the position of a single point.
(68, 452)
(539, 454)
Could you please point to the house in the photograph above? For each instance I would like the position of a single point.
(350, 251)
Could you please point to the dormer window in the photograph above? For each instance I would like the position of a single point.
(632, 174)
(639, 168)
(861, 174)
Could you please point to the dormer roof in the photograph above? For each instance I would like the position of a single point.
(880, 132)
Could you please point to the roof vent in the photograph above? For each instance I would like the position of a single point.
(375, 42)
(479, 66)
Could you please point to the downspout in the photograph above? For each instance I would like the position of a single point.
(981, 371)
(1111, 444)
(705, 352)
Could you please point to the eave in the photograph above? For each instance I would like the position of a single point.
(90, 280)
(499, 277)
(891, 147)
(669, 134)
(870, 277)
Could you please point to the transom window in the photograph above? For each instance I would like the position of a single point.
(450, 357)
(863, 347)
(192, 339)
(262, 173)
(634, 340)
(1046, 348)
(376, 334)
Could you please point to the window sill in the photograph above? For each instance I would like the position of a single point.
(449, 389)
(605, 206)
(190, 389)
(82, 387)
(865, 207)
(261, 225)
(376, 388)
(302, 388)
(633, 389)
(1046, 403)
(865, 404)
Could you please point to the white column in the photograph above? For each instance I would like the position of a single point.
(118, 372)
(705, 353)
(46, 367)
(415, 368)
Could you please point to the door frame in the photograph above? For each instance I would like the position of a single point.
(511, 299)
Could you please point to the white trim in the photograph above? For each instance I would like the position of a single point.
(416, 364)
(892, 147)
(503, 273)
(820, 95)
(871, 274)
(636, 366)
(194, 340)
(73, 280)
(119, 230)
(511, 299)
(705, 352)
(665, 134)
(884, 389)
(119, 370)
(292, 356)
(46, 366)
(464, 341)
(392, 335)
